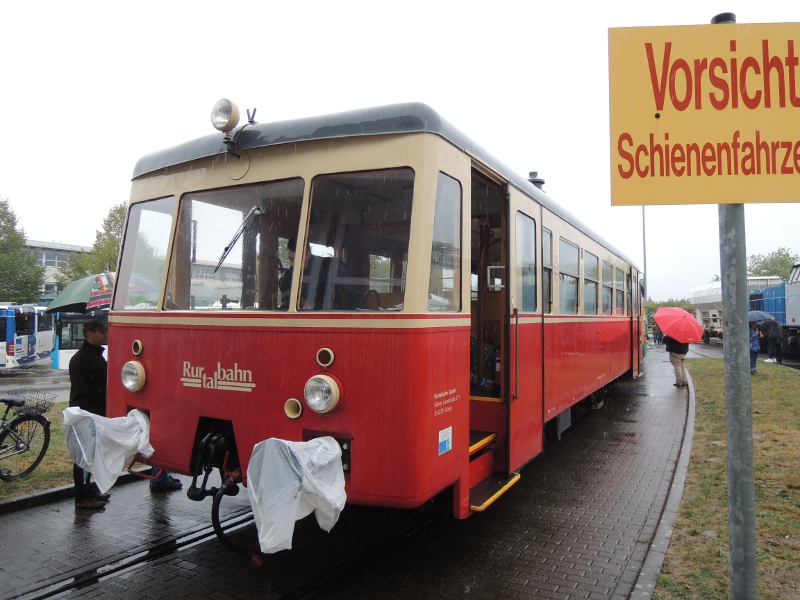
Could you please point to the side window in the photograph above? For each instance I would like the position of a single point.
(526, 263)
(591, 278)
(444, 285)
(619, 298)
(25, 323)
(568, 275)
(628, 294)
(547, 271)
(144, 255)
(608, 288)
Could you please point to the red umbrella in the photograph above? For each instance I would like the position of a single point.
(678, 324)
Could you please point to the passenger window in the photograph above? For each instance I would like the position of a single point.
(569, 272)
(526, 263)
(619, 300)
(444, 285)
(547, 271)
(628, 293)
(590, 282)
(608, 288)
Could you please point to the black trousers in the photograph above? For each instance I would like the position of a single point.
(81, 479)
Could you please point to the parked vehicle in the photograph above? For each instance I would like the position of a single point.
(707, 300)
(443, 310)
(26, 334)
(783, 302)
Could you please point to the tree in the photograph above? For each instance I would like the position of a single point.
(779, 262)
(20, 276)
(104, 253)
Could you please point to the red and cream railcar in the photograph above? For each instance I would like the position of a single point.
(439, 312)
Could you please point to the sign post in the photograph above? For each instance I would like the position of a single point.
(706, 114)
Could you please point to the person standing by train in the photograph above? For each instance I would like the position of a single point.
(657, 334)
(87, 391)
(88, 380)
(677, 356)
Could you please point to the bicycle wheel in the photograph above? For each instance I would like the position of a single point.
(23, 445)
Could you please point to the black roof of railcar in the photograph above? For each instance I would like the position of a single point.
(411, 117)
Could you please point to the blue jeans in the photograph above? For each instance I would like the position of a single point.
(753, 357)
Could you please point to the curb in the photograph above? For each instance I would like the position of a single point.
(64, 492)
(657, 551)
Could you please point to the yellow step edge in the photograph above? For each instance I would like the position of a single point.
(481, 443)
(486, 399)
(496, 495)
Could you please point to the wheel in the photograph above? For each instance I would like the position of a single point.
(23, 445)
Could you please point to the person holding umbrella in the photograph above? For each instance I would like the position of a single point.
(677, 357)
(755, 346)
(772, 331)
(680, 328)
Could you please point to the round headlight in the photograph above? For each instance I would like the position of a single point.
(322, 393)
(224, 115)
(133, 376)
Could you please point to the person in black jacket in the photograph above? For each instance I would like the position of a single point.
(677, 356)
(87, 390)
(772, 331)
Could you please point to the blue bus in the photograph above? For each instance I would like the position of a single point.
(26, 334)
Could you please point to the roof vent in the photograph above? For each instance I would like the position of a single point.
(534, 178)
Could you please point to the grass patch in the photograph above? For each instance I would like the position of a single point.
(697, 565)
(55, 469)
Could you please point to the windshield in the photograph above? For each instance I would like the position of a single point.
(230, 247)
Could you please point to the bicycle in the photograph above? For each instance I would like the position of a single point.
(25, 438)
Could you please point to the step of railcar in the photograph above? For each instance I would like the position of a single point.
(483, 495)
(478, 440)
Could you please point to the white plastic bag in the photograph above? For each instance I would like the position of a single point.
(287, 480)
(103, 446)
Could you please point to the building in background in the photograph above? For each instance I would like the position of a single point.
(52, 256)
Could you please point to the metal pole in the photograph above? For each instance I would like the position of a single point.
(644, 256)
(738, 398)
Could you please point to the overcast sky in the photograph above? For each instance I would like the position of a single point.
(90, 87)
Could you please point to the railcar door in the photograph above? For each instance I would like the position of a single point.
(634, 312)
(506, 337)
(525, 332)
(490, 358)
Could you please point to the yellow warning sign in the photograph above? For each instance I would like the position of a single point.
(705, 114)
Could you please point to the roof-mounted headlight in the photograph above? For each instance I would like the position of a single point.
(322, 393)
(225, 115)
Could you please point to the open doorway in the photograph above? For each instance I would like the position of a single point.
(489, 289)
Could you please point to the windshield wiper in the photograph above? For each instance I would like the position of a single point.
(253, 211)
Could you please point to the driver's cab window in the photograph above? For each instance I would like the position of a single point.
(231, 247)
(356, 251)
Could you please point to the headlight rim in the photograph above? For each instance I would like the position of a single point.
(138, 372)
(336, 393)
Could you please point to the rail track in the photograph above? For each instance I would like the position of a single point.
(289, 579)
